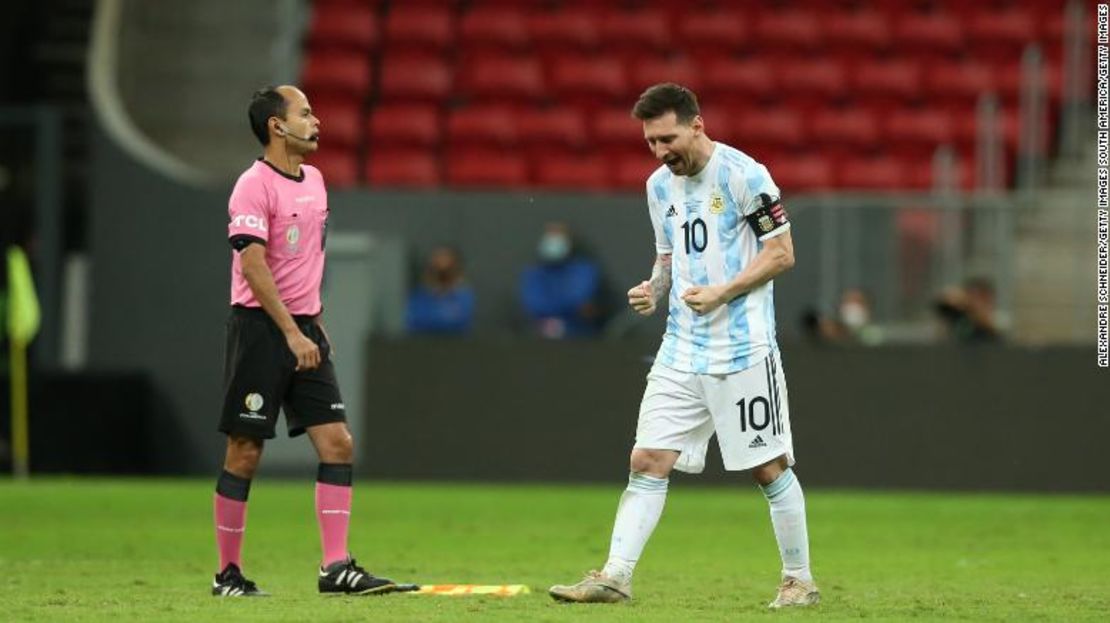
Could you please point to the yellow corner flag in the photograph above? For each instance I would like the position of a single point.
(23, 324)
(23, 303)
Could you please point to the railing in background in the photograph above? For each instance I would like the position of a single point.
(904, 250)
(1076, 95)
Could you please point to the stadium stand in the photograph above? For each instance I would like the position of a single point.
(829, 97)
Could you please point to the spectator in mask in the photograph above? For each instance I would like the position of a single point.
(560, 293)
(852, 323)
(442, 303)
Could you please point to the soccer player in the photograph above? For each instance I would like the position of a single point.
(721, 236)
(278, 354)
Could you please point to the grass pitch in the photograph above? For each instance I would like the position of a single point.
(121, 550)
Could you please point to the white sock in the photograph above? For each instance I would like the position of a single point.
(639, 510)
(788, 516)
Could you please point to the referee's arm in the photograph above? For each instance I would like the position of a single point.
(261, 281)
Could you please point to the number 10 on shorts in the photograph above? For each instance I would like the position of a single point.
(756, 413)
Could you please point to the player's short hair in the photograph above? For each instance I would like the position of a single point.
(662, 98)
(265, 103)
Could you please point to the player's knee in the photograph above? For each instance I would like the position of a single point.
(648, 462)
(770, 471)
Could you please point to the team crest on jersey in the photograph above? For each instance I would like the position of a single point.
(292, 235)
(717, 204)
(766, 224)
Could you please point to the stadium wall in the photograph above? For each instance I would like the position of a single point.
(896, 417)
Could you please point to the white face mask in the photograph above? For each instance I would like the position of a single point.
(554, 248)
(854, 315)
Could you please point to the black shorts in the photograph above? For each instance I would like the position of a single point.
(260, 377)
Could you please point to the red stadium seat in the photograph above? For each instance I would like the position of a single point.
(1008, 81)
(564, 31)
(642, 32)
(644, 72)
(415, 79)
(871, 173)
(807, 79)
(339, 166)
(556, 127)
(712, 35)
(482, 126)
(615, 128)
(419, 28)
(787, 31)
(887, 82)
(728, 81)
(853, 128)
(337, 74)
(497, 29)
(630, 171)
(402, 125)
(770, 127)
(486, 169)
(571, 173)
(960, 83)
(1001, 34)
(348, 26)
(932, 33)
(857, 31)
(503, 77)
(588, 81)
(340, 121)
(919, 131)
(417, 169)
(797, 174)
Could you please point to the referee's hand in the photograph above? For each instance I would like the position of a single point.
(305, 350)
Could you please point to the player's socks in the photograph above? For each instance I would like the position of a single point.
(333, 509)
(637, 514)
(230, 515)
(788, 516)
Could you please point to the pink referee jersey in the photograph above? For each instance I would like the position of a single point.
(290, 215)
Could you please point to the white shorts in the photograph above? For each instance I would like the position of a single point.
(748, 410)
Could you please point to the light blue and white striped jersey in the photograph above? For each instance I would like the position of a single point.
(699, 219)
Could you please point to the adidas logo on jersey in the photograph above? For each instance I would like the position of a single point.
(758, 442)
(672, 211)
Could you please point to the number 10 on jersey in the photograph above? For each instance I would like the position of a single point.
(696, 234)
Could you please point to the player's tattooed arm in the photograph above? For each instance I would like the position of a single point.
(661, 276)
(644, 296)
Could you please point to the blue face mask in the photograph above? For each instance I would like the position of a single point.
(554, 248)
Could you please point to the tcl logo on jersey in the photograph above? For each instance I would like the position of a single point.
(249, 220)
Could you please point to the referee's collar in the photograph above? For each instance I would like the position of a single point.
(295, 178)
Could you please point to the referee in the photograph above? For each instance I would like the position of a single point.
(278, 354)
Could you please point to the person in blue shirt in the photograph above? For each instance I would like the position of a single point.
(561, 292)
(442, 303)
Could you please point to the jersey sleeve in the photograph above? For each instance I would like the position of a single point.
(760, 201)
(655, 210)
(248, 212)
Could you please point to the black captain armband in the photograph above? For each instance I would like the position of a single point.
(769, 218)
(242, 241)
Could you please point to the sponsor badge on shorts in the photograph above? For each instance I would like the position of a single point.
(253, 401)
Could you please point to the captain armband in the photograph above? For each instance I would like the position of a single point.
(770, 219)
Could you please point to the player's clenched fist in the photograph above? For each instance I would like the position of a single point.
(642, 299)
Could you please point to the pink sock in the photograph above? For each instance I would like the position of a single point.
(333, 511)
(231, 521)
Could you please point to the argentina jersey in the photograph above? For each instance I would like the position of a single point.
(700, 221)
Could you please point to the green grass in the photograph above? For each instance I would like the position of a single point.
(120, 550)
